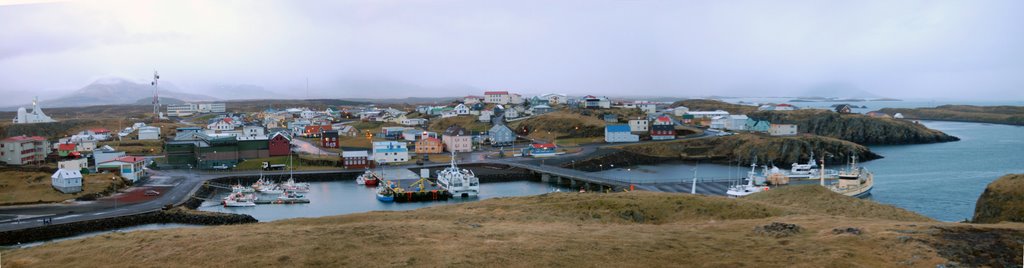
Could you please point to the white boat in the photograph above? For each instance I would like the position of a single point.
(290, 197)
(238, 188)
(855, 181)
(458, 182)
(272, 189)
(291, 185)
(808, 171)
(749, 188)
(239, 199)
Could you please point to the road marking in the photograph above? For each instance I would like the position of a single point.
(65, 217)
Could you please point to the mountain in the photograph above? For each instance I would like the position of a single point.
(112, 91)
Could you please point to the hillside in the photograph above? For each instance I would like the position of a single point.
(470, 123)
(1009, 115)
(1003, 200)
(711, 105)
(856, 128)
(561, 124)
(639, 229)
(114, 91)
(781, 151)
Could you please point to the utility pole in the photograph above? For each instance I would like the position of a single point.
(156, 97)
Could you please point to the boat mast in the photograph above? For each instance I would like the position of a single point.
(822, 170)
(693, 188)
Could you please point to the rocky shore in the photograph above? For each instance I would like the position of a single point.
(175, 215)
(857, 128)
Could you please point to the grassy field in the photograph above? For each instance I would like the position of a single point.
(136, 147)
(470, 123)
(560, 124)
(711, 105)
(745, 146)
(20, 187)
(638, 229)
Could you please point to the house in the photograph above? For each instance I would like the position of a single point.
(470, 100)
(736, 122)
(279, 144)
(497, 97)
(706, 114)
(449, 113)
(501, 135)
(511, 113)
(484, 118)
(149, 133)
(457, 139)
(21, 150)
(104, 154)
(65, 149)
(355, 159)
(554, 99)
(898, 116)
(540, 109)
(782, 129)
(619, 133)
(647, 107)
(86, 146)
(537, 100)
(593, 102)
(611, 118)
(222, 124)
(393, 133)
(540, 150)
(663, 128)
(253, 131)
(346, 130)
(75, 164)
(67, 180)
(757, 125)
(680, 110)
(390, 152)
(461, 109)
(516, 99)
(844, 109)
(329, 139)
(314, 131)
(414, 122)
(639, 125)
(298, 126)
(130, 167)
(428, 145)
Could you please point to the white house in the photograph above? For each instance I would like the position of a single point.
(130, 167)
(516, 99)
(448, 113)
(497, 97)
(554, 98)
(782, 129)
(104, 154)
(639, 125)
(85, 146)
(898, 116)
(511, 113)
(736, 122)
(390, 152)
(680, 110)
(414, 121)
(470, 100)
(461, 109)
(718, 122)
(67, 180)
(706, 114)
(221, 125)
(75, 164)
(646, 107)
(149, 133)
(619, 133)
(484, 118)
(253, 131)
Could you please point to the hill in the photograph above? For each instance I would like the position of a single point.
(567, 229)
(856, 128)
(561, 124)
(1003, 200)
(1009, 115)
(163, 101)
(470, 123)
(115, 91)
(781, 151)
(711, 105)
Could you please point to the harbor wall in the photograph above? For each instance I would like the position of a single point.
(485, 172)
(181, 216)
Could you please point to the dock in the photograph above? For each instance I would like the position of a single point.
(276, 201)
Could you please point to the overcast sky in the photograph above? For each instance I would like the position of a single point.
(905, 49)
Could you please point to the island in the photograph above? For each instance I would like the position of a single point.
(1008, 115)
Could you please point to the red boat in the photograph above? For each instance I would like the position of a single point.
(369, 179)
(372, 181)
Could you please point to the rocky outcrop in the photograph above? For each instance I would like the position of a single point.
(856, 128)
(176, 215)
(711, 105)
(743, 148)
(1003, 200)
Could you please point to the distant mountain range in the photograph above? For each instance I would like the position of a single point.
(116, 91)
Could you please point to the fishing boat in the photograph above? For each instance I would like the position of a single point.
(290, 197)
(854, 181)
(385, 193)
(749, 188)
(369, 178)
(808, 171)
(273, 188)
(238, 188)
(291, 185)
(458, 182)
(239, 199)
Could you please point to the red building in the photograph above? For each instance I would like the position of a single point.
(329, 139)
(280, 144)
(356, 159)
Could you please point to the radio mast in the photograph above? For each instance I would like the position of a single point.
(156, 97)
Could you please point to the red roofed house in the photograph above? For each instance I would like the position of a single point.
(314, 131)
(428, 145)
(497, 97)
(280, 144)
(540, 150)
(663, 128)
(21, 150)
(131, 168)
(65, 149)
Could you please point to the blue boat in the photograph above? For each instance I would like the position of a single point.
(385, 194)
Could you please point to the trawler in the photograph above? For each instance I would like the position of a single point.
(458, 182)
(855, 181)
(749, 188)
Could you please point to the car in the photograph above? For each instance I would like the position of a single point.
(152, 193)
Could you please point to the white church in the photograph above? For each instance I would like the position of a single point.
(36, 116)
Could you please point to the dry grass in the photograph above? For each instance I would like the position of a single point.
(469, 122)
(137, 147)
(560, 124)
(1002, 201)
(20, 187)
(638, 229)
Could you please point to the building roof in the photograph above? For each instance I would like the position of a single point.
(67, 173)
(496, 93)
(66, 147)
(23, 138)
(100, 130)
(543, 145)
(355, 154)
(127, 159)
(617, 128)
(431, 139)
(456, 130)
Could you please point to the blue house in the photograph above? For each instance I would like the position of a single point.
(619, 133)
(757, 125)
(500, 135)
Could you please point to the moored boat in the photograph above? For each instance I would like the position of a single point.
(749, 188)
(458, 182)
(385, 193)
(855, 181)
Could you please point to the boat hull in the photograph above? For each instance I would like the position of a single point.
(383, 198)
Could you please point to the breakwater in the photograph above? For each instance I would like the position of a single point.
(176, 215)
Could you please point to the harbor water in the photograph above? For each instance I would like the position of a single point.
(346, 197)
(939, 180)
